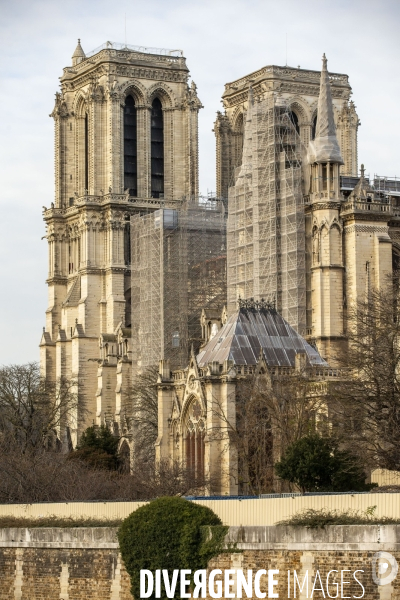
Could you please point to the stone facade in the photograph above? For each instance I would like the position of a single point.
(125, 292)
(299, 88)
(126, 142)
(198, 416)
(303, 228)
(77, 564)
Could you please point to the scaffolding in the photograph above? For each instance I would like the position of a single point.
(266, 224)
(178, 268)
(387, 186)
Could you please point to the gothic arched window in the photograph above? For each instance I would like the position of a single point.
(194, 439)
(295, 120)
(125, 457)
(335, 245)
(157, 150)
(130, 146)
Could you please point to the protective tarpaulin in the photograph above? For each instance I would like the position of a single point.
(325, 147)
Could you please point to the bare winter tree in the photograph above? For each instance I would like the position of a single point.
(48, 476)
(33, 410)
(367, 404)
(141, 404)
(31, 470)
(273, 410)
(152, 479)
(168, 479)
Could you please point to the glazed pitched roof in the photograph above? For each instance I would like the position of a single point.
(250, 329)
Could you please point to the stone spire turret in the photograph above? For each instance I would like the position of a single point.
(363, 190)
(326, 258)
(325, 147)
(78, 55)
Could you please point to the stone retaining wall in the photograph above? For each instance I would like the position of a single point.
(84, 563)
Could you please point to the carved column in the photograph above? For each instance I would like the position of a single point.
(60, 114)
(96, 139)
(194, 151)
(222, 132)
(115, 143)
(143, 114)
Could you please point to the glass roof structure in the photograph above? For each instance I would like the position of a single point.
(250, 329)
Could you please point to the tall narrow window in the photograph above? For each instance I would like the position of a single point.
(324, 177)
(295, 120)
(157, 150)
(314, 127)
(86, 154)
(130, 146)
(195, 440)
(127, 243)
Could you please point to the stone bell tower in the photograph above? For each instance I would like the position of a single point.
(126, 142)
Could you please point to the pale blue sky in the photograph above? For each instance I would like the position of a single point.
(222, 40)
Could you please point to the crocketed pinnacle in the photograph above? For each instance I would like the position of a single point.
(363, 190)
(325, 147)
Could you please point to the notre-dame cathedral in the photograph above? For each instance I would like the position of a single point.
(143, 270)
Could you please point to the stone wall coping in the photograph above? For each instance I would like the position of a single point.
(58, 537)
(333, 537)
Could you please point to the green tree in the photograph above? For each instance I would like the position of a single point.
(317, 464)
(98, 447)
(167, 534)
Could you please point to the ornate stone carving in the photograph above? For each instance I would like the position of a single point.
(251, 304)
(60, 109)
(96, 92)
(145, 73)
(365, 229)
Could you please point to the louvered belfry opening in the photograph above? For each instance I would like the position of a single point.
(130, 146)
(157, 150)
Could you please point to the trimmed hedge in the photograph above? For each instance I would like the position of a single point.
(168, 533)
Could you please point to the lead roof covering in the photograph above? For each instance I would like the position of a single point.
(249, 330)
